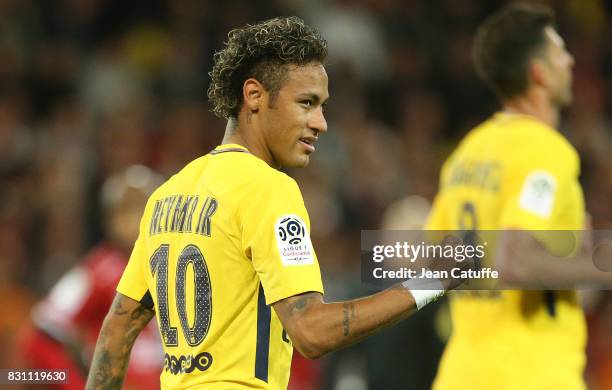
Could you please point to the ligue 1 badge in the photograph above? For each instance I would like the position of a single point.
(293, 241)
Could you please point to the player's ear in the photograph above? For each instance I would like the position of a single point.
(537, 72)
(252, 94)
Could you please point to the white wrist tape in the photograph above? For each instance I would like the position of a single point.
(424, 291)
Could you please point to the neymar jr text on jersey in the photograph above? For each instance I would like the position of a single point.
(175, 213)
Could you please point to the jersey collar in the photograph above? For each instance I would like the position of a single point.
(229, 148)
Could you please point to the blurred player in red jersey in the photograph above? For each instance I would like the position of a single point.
(67, 321)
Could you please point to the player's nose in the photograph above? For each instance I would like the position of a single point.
(317, 121)
(571, 59)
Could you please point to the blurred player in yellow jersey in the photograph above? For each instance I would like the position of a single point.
(517, 172)
(226, 240)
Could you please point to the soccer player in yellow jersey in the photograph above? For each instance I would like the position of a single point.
(224, 258)
(516, 173)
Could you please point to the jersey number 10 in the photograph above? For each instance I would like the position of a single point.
(191, 254)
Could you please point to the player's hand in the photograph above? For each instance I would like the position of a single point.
(461, 263)
(444, 266)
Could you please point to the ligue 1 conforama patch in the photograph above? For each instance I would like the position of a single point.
(538, 193)
(293, 241)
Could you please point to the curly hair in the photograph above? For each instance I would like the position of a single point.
(261, 51)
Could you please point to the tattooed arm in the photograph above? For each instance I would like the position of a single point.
(122, 325)
(316, 327)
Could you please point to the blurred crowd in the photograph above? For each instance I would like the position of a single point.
(91, 87)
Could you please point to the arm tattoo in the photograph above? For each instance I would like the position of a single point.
(300, 304)
(345, 310)
(115, 344)
(117, 308)
(349, 314)
(140, 312)
(102, 375)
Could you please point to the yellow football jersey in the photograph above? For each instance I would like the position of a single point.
(219, 242)
(512, 172)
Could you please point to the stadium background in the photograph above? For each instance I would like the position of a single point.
(89, 87)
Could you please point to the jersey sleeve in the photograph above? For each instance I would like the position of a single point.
(537, 190)
(133, 283)
(276, 237)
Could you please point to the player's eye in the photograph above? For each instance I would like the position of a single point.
(306, 103)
